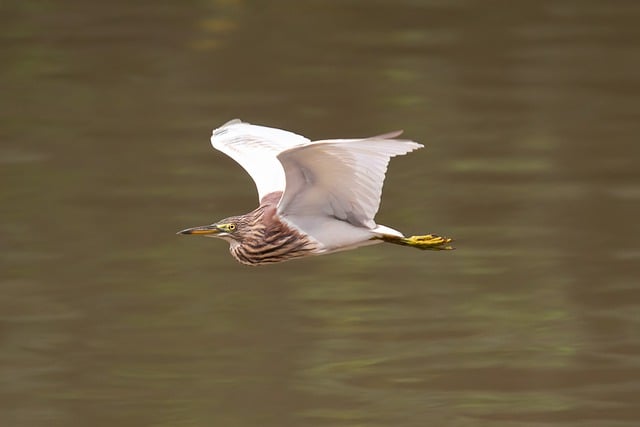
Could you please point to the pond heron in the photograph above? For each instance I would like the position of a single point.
(316, 197)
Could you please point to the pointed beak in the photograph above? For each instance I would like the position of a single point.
(204, 229)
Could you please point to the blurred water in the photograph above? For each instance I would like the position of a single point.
(529, 113)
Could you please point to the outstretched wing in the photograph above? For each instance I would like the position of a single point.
(339, 178)
(256, 149)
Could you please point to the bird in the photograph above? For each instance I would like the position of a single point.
(315, 197)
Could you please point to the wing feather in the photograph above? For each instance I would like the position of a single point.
(256, 148)
(339, 178)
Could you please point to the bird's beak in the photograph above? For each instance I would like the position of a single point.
(204, 229)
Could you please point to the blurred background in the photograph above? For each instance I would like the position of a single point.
(529, 114)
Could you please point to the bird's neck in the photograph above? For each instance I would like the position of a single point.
(270, 240)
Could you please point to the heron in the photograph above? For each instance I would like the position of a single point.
(315, 197)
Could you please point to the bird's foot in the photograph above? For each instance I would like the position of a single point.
(429, 241)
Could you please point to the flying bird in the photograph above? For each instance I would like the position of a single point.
(316, 197)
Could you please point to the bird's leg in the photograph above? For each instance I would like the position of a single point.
(429, 241)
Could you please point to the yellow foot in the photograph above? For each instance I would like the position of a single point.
(429, 241)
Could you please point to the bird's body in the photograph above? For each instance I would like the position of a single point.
(316, 197)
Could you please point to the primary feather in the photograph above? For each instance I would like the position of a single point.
(256, 148)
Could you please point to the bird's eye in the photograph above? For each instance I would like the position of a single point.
(232, 227)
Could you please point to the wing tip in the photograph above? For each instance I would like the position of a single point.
(225, 127)
(392, 136)
(389, 135)
(219, 131)
(232, 122)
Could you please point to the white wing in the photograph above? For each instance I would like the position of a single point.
(340, 178)
(256, 148)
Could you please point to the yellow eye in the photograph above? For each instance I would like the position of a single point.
(231, 227)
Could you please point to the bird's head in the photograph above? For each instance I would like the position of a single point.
(232, 229)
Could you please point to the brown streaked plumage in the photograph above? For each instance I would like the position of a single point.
(261, 238)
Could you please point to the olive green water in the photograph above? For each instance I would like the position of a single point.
(529, 111)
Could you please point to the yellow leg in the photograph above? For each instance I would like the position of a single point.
(429, 241)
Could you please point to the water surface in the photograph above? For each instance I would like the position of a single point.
(529, 114)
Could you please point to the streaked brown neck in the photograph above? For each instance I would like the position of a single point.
(271, 240)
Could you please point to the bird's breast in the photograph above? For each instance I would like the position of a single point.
(274, 243)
